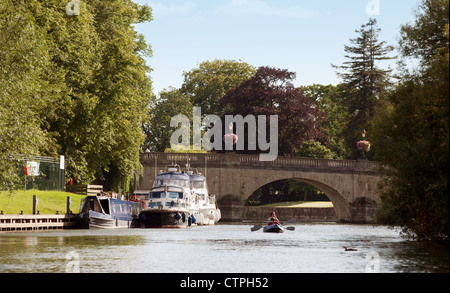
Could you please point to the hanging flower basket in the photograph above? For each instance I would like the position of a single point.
(363, 145)
(230, 138)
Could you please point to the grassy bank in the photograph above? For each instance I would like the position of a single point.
(48, 201)
(301, 204)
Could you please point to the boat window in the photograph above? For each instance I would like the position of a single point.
(157, 194)
(171, 204)
(171, 182)
(198, 184)
(154, 204)
(174, 194)
(105, 205)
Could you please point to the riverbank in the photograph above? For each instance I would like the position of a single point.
(49, 202)
(309, 211)
(301, 204)
(301, 214)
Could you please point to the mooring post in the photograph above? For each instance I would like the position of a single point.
(35, 201)
(68, 205)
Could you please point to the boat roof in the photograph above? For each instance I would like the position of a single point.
(141, 191)
(172, 175)
(196, 177)
(169, 188)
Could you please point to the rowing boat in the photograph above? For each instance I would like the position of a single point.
(276, 228)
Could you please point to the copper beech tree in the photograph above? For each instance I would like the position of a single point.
(270, 91)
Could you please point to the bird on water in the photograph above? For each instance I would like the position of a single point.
(349, 249)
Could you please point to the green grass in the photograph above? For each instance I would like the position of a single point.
(48, 201)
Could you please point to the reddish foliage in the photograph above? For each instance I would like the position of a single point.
(271, 92)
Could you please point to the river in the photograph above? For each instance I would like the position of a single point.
(223, 248)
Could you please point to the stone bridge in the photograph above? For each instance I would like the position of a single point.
(350, 185)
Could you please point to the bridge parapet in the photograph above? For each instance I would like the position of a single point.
(252, 161)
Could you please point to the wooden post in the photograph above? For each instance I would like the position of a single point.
(35, 200)
(69, 201)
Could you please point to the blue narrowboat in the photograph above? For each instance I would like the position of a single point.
(105, 212)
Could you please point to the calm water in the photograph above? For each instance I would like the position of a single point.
(221, 249)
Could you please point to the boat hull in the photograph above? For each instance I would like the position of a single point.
(273, 229)
(160, 218)
(96, 220)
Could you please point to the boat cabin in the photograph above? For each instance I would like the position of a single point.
(172, 179)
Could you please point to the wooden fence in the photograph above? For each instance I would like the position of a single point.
(85, 189)
(18, 222)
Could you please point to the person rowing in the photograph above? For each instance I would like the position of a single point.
(273, 220)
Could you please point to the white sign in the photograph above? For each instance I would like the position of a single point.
(34, 168)
(61, 162)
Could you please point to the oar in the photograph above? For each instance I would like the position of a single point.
(255, 228)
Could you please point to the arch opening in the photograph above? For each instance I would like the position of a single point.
(323, 192)
(287, 191)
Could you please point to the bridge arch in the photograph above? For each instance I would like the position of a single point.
(340, 204)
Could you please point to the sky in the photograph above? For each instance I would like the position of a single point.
(305, 37)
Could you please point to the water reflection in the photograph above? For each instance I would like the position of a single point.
(221, 248)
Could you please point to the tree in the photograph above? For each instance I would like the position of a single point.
(271, 92)
(158, 131)
(328, 99)
(208, 83)
(365, 82)
(413, 131)
(79, 82)
(26, 91)
(124, 89)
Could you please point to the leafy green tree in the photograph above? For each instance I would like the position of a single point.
(80, 83)
(208, 83)
(314, 149)
(328, 99)
(26, 91)
(413, 131)
(365, 81)
(171, 102)
(125, 92)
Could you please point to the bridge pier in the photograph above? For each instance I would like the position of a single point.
(363, 211)
(231, 208)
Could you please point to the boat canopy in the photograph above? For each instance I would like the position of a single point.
(198, 181)
(171, 179)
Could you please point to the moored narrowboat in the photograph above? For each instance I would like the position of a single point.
(104, 213)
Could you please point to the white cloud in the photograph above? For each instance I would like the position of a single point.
(261, 8)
